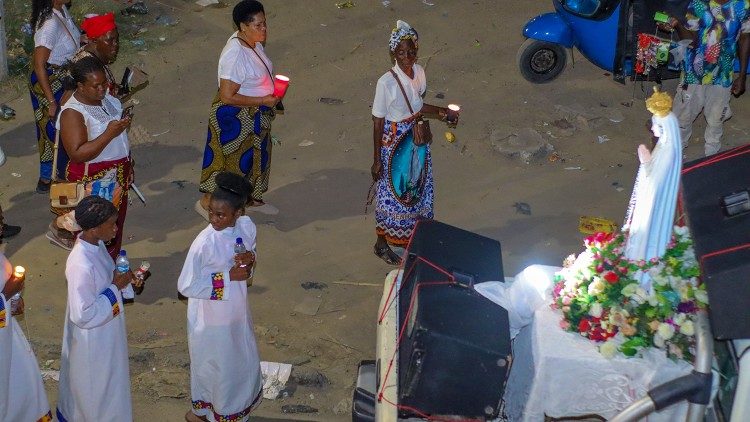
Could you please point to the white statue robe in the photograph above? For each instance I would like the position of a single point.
(225, 377)
(652, 220)
(94, 378)
(22, 396)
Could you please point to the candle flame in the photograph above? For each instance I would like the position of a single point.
(19, 271)
(454, 107)
(282, 78)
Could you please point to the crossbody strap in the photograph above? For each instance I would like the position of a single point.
(403, 91)
(55, 153)
(256, 53)
(65, 25)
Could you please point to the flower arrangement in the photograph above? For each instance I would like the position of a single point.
(601, 296)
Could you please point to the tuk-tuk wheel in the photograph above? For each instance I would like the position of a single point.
(541, 61)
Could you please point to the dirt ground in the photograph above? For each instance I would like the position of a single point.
(321, 233)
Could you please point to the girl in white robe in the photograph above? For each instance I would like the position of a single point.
(94, 378)
(225, 378)
(22, 396)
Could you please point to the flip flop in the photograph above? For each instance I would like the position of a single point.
(56, 240)
(201, 211)
(386, 254)
(266, 208)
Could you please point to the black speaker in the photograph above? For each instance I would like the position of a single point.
(716, 197)
(454, 349)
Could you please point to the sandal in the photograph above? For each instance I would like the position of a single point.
(386, 254)
(56, 240)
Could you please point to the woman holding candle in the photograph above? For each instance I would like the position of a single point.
(56, 39)
(94, 378)
(402, 167)
(239, 125)
(224, 386)
(22, 396)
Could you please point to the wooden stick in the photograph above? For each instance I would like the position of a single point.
(353, 283)
(334, 341)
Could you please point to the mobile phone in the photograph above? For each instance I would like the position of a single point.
(127, 112)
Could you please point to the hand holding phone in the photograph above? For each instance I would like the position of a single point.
(127, 112)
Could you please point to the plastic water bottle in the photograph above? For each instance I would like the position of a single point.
(239, 247)
(122, 263)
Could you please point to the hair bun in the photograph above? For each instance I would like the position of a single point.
(234, 183)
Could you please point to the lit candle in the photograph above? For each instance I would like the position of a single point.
(453, 111)
(19, 271)
(280, 84)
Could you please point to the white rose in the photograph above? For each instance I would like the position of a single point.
(679, 319)
(687, 328)
(681, 230)
(700, 295)
(659, 341)
(608, 349)
(665, 331)
(629, 289)
(596, 310)
(596, 287)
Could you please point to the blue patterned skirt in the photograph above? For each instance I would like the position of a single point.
(239, 140)
(405, 192)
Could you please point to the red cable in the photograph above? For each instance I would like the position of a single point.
(723, 251)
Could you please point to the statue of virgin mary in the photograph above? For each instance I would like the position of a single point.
(651, 214)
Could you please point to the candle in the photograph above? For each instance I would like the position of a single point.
(280, 84)
(453, 111)
(19, 271)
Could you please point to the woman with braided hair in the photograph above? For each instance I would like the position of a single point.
(94, 378)
(402, 167)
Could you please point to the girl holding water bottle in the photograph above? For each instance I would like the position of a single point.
(225, 377)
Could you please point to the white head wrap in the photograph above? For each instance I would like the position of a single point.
(401, 32)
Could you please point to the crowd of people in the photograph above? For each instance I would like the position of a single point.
(82, 137)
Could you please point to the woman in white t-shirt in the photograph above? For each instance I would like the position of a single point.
(402, 167)
(93, 134)
(56, 39)
(239, 126)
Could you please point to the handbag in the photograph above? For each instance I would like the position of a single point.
(64, 194)
(422, 132)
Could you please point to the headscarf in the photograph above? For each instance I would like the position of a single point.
(98, 25)
(93, 211)
(402, 31)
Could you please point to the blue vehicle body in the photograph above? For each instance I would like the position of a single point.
(604, 31)
(595, 39)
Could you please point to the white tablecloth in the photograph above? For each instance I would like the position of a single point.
(558, 373)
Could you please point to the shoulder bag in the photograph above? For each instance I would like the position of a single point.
(63, 194)
(422, 131)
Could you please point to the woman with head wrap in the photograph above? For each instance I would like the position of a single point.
(22, 396)
(401, 169)
(103, 45)
(239, 125)
(94, 380)
(224, 386)
(96, 147)
(56, 39)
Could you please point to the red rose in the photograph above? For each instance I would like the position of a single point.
(611, 277)
(624, 270)
(600, 268)
(584, 325)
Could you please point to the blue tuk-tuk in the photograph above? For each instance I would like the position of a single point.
(604, 31)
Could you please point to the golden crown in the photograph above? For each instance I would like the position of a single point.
(659, 103)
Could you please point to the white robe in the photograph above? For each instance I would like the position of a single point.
(22, 396)
(225, 376)
(652, 220)
(94, 378)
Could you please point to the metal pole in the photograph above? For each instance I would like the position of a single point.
(3, 44)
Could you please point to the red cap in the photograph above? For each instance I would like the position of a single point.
(99, 25)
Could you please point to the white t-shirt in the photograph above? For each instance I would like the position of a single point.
(96, 119)
(389, 101)
(240, 65)
(53, 35)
